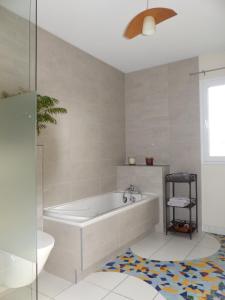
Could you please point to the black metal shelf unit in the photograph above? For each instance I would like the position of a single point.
(173, 224)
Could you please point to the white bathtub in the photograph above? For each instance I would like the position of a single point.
(81, 211)
(89, 231)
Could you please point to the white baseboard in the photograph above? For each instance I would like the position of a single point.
(213, 229)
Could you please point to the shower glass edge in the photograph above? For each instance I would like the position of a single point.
(18, 210)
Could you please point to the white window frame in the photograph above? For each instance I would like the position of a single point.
(205, 85)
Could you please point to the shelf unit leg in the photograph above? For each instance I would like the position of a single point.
(190, 222)
(166, 220)
(174, 218)
(190, 210)
(166, 207)
(196, 191)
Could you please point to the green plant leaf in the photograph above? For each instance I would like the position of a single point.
(46, 109)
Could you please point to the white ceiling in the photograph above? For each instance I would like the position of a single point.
(97, 26)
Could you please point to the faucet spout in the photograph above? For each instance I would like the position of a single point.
(132, 190)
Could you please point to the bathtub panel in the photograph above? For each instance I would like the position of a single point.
(137, 221)
(60, 263)
(149, 180)
(81, 247)
(99, 240)
(65, 258)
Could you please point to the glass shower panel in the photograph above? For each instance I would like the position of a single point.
(17, 46)
(18, 194)
(18, 233)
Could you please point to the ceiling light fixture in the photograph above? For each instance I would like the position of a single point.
(146, 21)
(149, 25)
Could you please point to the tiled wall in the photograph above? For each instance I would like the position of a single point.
(149, 180)
(82, 151)
(163, 116)
(14, 52)
(147, 106)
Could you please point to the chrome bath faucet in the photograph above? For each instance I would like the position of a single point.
(132, 189)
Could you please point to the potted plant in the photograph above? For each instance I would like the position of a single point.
(47, 109)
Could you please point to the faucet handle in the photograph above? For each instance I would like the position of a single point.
(134, 189)
(131, 187)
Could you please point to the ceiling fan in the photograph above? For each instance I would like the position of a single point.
(146, 21)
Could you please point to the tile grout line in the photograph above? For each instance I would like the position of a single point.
(112, 290)
(42, 294)
(98, 285)
(109, 292)
(169, 241)
(72, 284)
(132, 298)
(122, 295)
(155, 296)
(158, 295)
(196, 245)
(122, 281)
(164, 244)
(128, 276)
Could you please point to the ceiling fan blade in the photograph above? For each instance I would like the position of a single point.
(159, 13)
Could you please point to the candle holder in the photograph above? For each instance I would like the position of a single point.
(132, 161)
(149, 161)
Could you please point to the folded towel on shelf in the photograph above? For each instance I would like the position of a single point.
(179, 201)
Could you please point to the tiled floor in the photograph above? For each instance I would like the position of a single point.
(116, 286)
(176, 247)
(97, 286)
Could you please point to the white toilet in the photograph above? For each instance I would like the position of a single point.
(17, 272)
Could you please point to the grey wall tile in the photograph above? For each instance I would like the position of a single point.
(81, 152)
(14, 52)
(163, 116)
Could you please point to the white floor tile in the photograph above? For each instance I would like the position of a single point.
(136, 289)
(185, 239)
(159, 297)
(210, 242)
(113, 296)
(200, 252)
(172, 247)
(51, 285)
(41, 297)
(176, 249)
(196, 236)
(149, 245)
(106, 280)
(83, 291)
(2, 289)
(24, 293)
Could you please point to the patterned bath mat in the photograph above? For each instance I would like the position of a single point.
(200, 279)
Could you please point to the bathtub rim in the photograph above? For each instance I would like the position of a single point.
(99, 195)
(152, 196)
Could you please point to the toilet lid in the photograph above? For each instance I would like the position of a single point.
(44, 240)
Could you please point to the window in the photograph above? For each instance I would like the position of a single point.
(213, 120)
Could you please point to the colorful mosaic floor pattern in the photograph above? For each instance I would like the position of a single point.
(200, 279)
